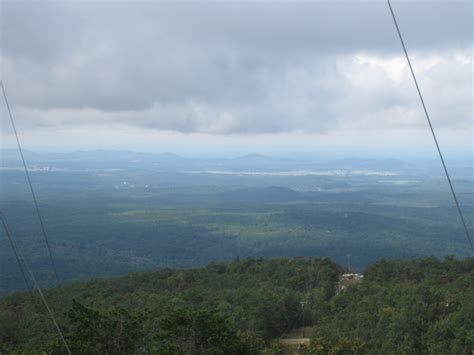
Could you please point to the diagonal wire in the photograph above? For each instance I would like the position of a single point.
(15, 251)
(461, 215)
(35, 201)
(19, 258)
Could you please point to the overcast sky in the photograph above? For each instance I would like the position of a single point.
(239, 75)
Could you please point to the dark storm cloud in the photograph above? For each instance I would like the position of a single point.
(222, 67)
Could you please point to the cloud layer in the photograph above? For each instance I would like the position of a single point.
(236, 68)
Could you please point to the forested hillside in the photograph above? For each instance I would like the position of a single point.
(244, 307)
(109, 213)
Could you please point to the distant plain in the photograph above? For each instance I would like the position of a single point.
(111, 212)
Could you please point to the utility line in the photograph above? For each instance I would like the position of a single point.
(15, 251)
(19, 257)
(35, 201)
(461, 216)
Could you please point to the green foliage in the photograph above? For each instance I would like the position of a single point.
(341, 346)
(203, 331)
(243, 307)
(236, 304)
(180, 221)
(421, 306)
(275, 348)
(93, 332)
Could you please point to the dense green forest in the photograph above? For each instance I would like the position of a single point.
(246, 306)
(107, 218)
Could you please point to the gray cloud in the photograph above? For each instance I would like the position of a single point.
(219, 67)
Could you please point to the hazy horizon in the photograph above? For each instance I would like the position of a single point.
(453, 156)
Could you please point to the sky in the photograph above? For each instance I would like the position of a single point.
(228, 76)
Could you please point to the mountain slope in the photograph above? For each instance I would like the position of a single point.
(422, 305)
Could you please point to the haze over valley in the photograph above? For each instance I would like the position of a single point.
(113, 212)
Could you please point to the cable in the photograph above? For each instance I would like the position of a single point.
(20, 257)
(15, 251)
(30, 185)
(461, 216)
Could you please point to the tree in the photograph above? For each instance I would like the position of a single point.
(203, 331)
(92, 332)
